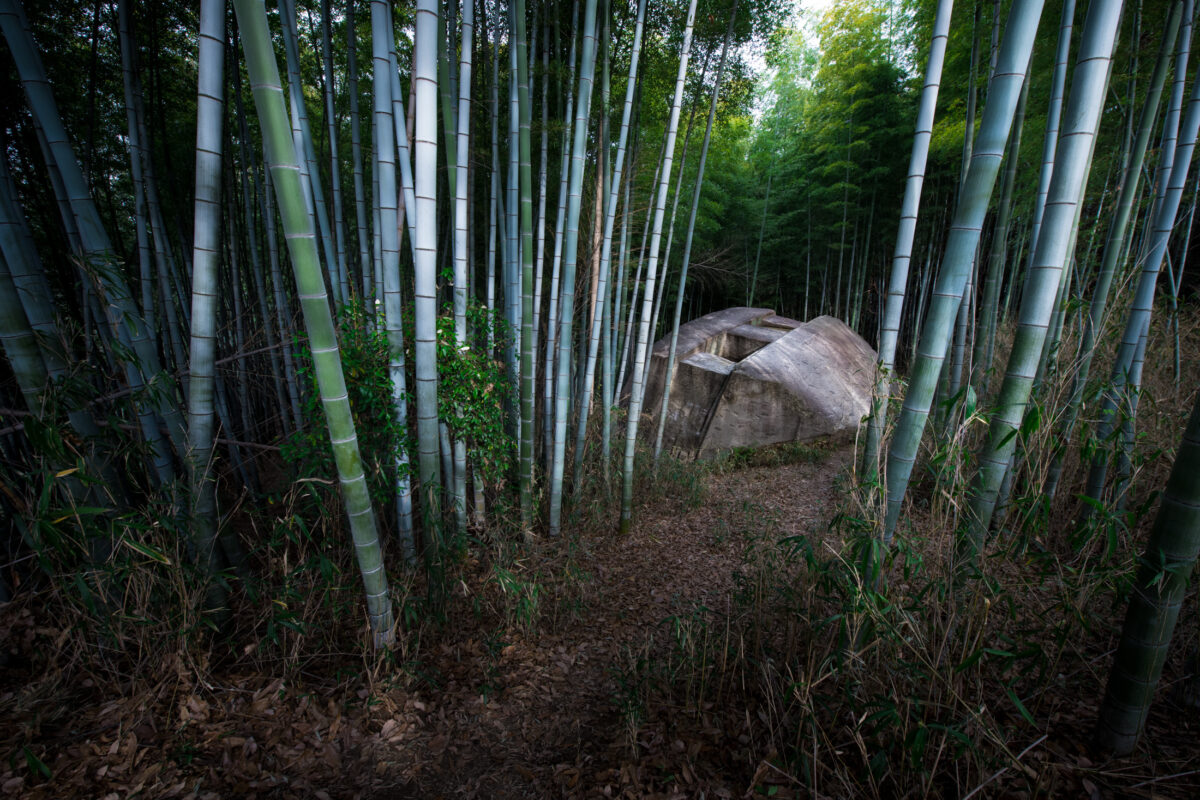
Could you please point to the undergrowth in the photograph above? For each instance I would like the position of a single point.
(921, 685)
(830, 680)
(812, 677)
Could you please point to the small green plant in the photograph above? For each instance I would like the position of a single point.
(305, 569)
(185, 751)
(634, 684)
(34, 764)
(474, 391)
(695, 650)
(493, 646)
(567, 593)
(523, 597)
(672, 480)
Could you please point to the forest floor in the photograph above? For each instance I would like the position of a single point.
(548, 682)
(567, 712)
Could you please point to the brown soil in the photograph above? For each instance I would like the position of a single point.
(562, 697)
(500, 709)
(556, 726)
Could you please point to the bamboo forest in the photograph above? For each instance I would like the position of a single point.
(599, 398)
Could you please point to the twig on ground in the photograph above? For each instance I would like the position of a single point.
(1002, 770)
(1165, 778)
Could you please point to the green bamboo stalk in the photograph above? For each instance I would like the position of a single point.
(393, 313)
(562, 397)
(1048, 360)
(1176, 279)
(282, 312)
(1128, 420)
(337, 225)
(27, 318)
(360, 202)
(327, 362)
(973, 97)
(552, 314)
(613, 328)
(528, 344)
(539, 263)
(70, 225)
(1170, 131)
(249, 179)
(610, 216)
(462, 239)
(1138, 321)
(1162, 578)
(961, 245)
(691, 229)
(997, 263)
(19, 343)
(125, 322)
(1114, 246)
(407, 199)
(1072, 164)
(28, 273)
(382, 43)
(1053, 120)
(626, 346)
(425, 80)
(905, 234)
(141, 216)
(310, 174)
(678, 192)
(512, 262)
(447, 91)
(34, 368)
(493, 189)
(163, 255)
(639, 352)
(237, 313)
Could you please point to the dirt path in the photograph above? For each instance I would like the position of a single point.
(538, 687)
(600, 666)
(540, 715)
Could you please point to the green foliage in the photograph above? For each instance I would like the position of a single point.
(635, 682)
(672, 481)
(109, 555)
(473, 391)
(308, 569)
(493, 645)
(837, 113)
(920, 671)
(364, 353)
(778, 455)
(524, 596)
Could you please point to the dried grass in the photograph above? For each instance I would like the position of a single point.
(728, 647)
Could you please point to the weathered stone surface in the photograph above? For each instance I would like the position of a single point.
(746, 339)
(815, 381)
(782, 322)
(699, 380)
(707, 333)
(750, 378)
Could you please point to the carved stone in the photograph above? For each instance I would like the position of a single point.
(745, 377)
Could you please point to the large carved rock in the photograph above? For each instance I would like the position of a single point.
(745, 377)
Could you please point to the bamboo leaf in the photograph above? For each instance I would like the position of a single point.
(148, 551)
(1032, 421)
(35, 764)
(1024, 712)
